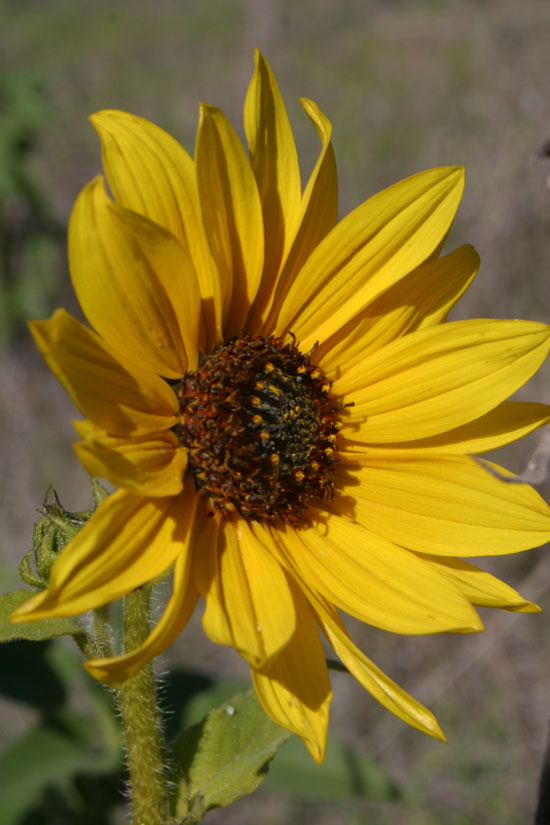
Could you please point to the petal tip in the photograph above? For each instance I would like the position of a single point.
(316, 751)
(30, 611)
(437, 733)
(102, 674)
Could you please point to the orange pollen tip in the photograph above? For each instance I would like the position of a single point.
(274, 458)
(257, 419)
(264, 435)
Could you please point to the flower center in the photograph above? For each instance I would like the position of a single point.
(260, 428)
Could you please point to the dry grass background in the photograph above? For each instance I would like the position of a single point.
(407, 85)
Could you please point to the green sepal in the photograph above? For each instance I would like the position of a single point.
(55, 528)
(99, 493)
(32, 631)
(26, 572)
(224, 757)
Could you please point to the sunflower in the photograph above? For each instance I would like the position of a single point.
(287, 415)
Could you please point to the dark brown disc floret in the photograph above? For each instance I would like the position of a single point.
(260, 428)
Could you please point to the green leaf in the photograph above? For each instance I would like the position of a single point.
(59, 747)
(225, 756)
(32, 631)
(189, 695)
(343, 775)
(212, 697)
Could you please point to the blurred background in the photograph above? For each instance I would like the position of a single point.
(407, 85)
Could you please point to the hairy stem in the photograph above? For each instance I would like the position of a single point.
(140, 716)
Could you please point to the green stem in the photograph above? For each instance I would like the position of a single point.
(102, 631)
(99, 642)
(140, 717)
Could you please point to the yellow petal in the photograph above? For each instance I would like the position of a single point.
(249, 605)
(368, 251)
(439, 378)
(135, 283)
(319, 208)
(151, 465)
(121, 399)
(480, 587)
(447, 504)
(508, 422)
(275, 165)
(421, 299)
(128, 541)
(294, 687)
(318, 215)
(384, 690)
(177, 613)
(151, 173)
(374, 580)
(232, 215)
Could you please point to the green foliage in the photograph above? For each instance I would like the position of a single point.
(65, 748)
(32, 631)
(67, 767)
(225, 756)
(231, 752)
(60, 746)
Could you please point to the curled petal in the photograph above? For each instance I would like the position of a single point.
(151, 173)
(318, 215)
(275, 165)
(119, 398)
(294, 687)
(136, 284)
(151, 465)
(237, 577)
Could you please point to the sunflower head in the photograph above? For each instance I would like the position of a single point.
(288, 416)
(260, 429)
